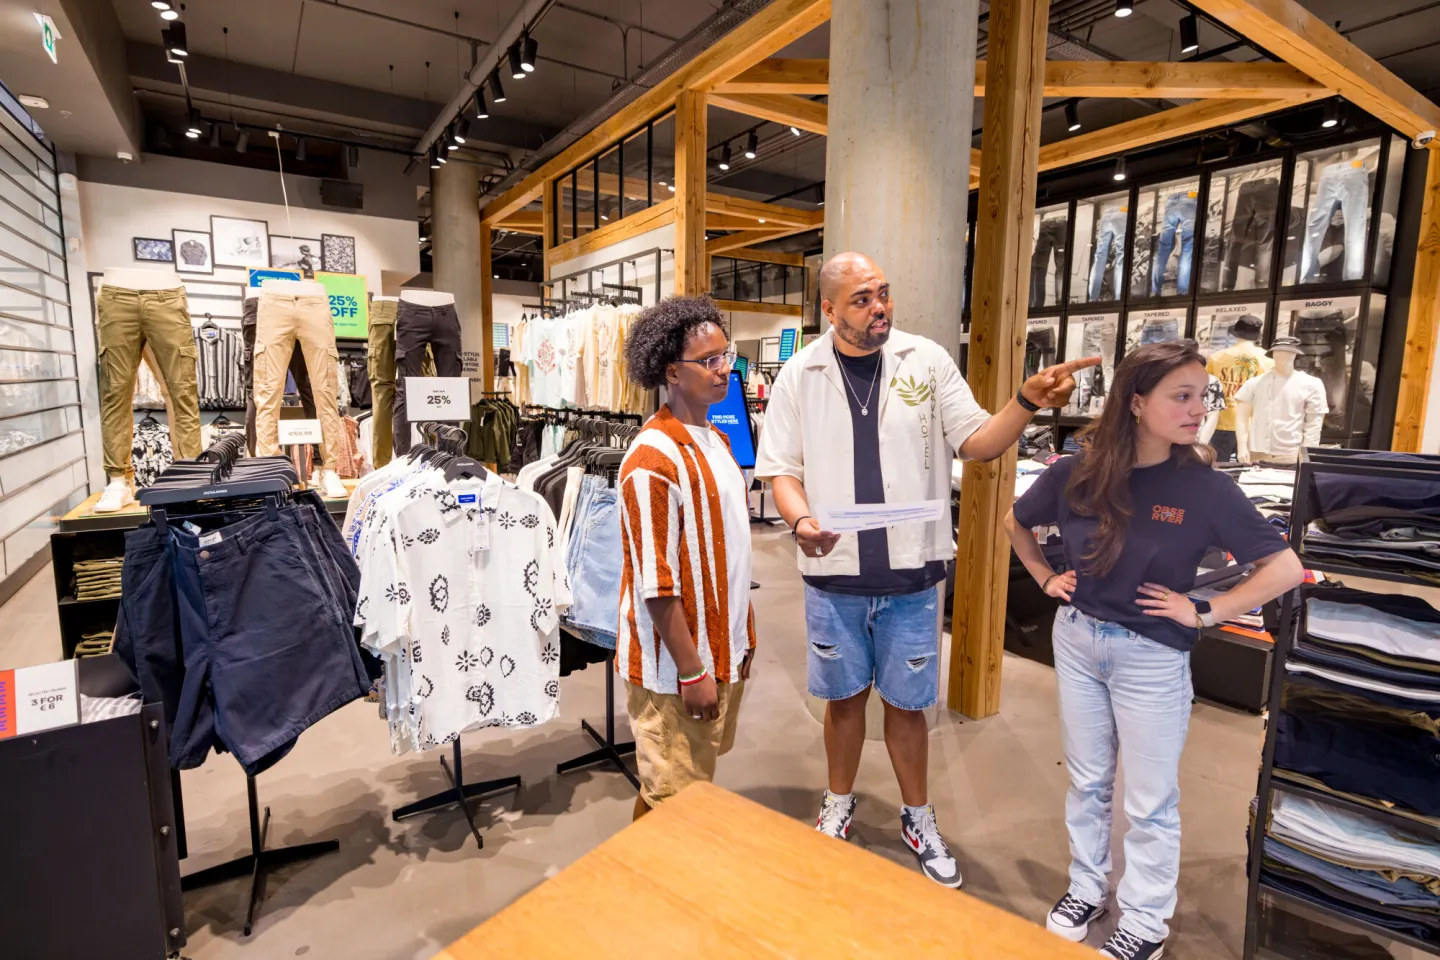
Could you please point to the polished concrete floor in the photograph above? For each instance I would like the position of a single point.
(397, 891)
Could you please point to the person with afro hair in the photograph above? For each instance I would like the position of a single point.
(685, 534)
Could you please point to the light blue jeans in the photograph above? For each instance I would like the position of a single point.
(594, 564)
(1111, 234)
(1339, 185)
(1127, 696)
(1179, 217)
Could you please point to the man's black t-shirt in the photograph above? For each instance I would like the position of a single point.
(876, 579)
(1179, 511)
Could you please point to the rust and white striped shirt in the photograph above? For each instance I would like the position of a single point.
(685, 530)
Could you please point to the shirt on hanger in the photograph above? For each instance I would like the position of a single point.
(1234, 367)
(543, 357)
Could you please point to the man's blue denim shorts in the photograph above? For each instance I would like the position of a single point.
(892, 642)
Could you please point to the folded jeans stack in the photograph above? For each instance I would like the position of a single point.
(1393, 523)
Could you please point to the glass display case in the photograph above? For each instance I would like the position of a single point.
(1101, 237)
(1240, 222)
(1389, 208)
(1154, 326)
(1213, 324)
(1042, 344)
(1164, 239)
(1047, 263)
(1333, 332)
(1330, 202)
(1091, 335)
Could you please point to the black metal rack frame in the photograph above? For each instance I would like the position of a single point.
(1357, 463)
(607, 750)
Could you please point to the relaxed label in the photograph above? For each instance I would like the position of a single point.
(437, 398)
(299, 431)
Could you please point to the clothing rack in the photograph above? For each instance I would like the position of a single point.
(607, 750)
(1304, 508)
(620, 262)
(450, 440)
(260, 860)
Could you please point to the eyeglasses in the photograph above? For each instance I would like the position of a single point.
(719, 362)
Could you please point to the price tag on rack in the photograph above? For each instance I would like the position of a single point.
(299, 431)
(437, 398)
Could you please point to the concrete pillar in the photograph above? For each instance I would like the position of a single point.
(897, 169)
(455, 251)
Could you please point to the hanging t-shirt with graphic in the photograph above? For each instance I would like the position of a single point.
(1233, 367)
(1214, 395)
(543, 355)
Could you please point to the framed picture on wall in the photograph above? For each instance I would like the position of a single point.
(239, 243)
(194, 251)
(300, 254)
(337, 253)
(152, 250)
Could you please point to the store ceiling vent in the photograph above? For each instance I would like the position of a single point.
(342, 193)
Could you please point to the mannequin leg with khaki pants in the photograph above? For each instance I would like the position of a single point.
(283, 319)
(129, 321)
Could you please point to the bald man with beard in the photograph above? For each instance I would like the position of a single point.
(868, 414)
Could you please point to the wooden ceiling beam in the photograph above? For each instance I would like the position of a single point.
(782, 108)
(764, 34)
(768, 256)
(1289, 31)
(758, 212)
(761, 306)
(722, 246)
(523, 221)
(798, 77)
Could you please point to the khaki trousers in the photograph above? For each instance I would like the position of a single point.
(128, 322)
(672, 748)
(381, 362)
(281, 322)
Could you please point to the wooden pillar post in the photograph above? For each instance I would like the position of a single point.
(1003, 238)
(1418, 366)
(692, 274)
(487, 311)
(547, 227)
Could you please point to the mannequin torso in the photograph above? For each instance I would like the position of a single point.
(1279, 413)
(142, 278)
(293, 288)
(427, 298)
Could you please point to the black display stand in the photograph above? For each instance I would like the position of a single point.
(607, 751)
(459, 792)
(259, 861)
(1353, 463)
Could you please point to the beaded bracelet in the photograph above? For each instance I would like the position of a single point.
(691, 681)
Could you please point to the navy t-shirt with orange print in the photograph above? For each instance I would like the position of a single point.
(1178, 512)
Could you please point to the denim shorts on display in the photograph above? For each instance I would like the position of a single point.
(594, 564)
(892, 642)
(244, 639)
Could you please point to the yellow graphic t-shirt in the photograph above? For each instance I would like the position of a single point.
(1233, 367)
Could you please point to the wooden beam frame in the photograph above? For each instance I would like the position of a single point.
(487, 312)
(648, 219)
(1288, 30)
(764, 34)
(768, 256)
(1009, 167)
(692, 263)
(531, 222)
(745, 238)
(800, 77)
(755, 210)
(757, 306)
(1417, 368)
(779, 108)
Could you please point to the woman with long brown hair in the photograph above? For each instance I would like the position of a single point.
(1138, 508)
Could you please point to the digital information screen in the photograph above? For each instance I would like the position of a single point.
(731, 417)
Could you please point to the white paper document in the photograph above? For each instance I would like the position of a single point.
(874, 516)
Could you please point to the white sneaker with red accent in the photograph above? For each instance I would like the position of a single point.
(923, 838)
(836, 815)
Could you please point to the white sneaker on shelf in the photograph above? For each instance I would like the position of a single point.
(331, 487)
(314, 482)
(117, 496)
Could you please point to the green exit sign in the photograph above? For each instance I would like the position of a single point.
(48, 35)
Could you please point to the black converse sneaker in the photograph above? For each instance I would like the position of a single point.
(1127, 946)
(835, 816)
(1071, 918)
(923, 838)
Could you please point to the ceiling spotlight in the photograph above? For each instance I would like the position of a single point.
(1332, 115)
(441, 154)
(215, 135)
(160, 4)
(762, 219)
(528, 47)
(482, 112)
(299, 149)
(752, 144)
(434, 164)
(517, 72)
(497, 92)
(795, 130)
(725, 157)
(462, 129)
(1189, 33)
(1123, 8)
(242, 141)
(1119, 168)
(194, 125)
(670, 187)
(169, 15)
(1072, 116)
(174, 36)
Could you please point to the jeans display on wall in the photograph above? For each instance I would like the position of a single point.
(1346, 187)
(1109, 242)
(1327, 329)
(1091, 336)
(1153, 326)
(1047, 264)
(1178, 225)
(1042, 340)
(1250, 239)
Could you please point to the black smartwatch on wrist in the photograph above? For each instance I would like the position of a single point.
(1021, 399)
(1203, 614)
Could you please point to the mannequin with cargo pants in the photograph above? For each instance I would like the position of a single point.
(423, 318)
(380, 359)
(139, 308)
(297, 371)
